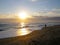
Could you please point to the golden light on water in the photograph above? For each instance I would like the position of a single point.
(22, 24)
(23, 31)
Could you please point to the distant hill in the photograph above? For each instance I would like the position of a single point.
(45, 36)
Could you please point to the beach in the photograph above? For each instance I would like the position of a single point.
(46, 36)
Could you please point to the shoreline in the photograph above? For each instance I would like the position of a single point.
(38, 36)
(33, 31)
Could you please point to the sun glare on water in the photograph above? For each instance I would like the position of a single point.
(23, 31)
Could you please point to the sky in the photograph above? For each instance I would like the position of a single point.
(35, 7)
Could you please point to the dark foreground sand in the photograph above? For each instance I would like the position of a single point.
(45, 36)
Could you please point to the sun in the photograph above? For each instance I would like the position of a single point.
(23, 15)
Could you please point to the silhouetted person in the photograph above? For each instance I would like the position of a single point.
(45, 26)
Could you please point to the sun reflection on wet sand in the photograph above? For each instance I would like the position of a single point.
(23, 31)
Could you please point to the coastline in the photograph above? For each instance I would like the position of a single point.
(45, 36)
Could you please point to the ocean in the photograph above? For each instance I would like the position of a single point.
(20, 29)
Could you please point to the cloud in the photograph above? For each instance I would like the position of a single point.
(52, 13)
(7, 16)
(39, 0)
(33, 0)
